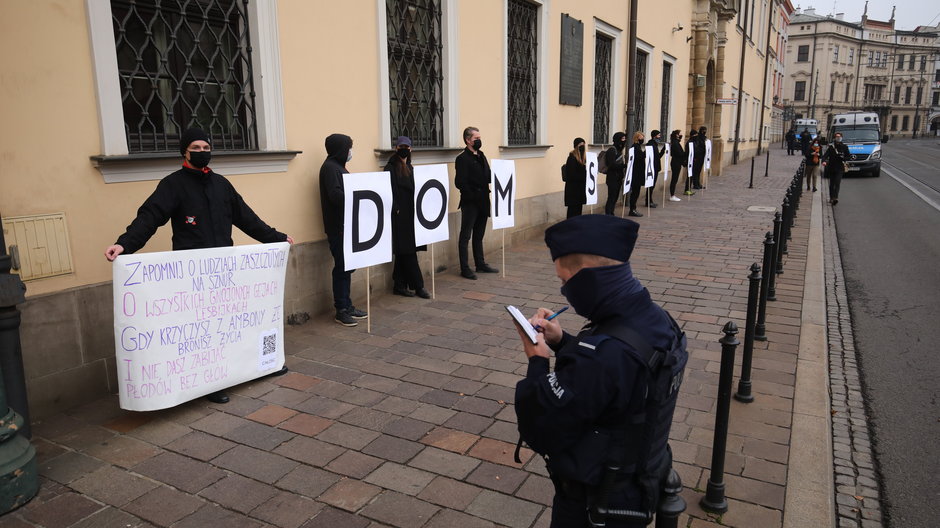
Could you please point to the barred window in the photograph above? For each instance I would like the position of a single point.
(415, 73)
(603, 47)
(666, 99)
(799, 91)
(639, 93)
(185, 63)
(523, 72)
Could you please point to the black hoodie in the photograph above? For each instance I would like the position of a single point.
(332, 195)
(616, 160)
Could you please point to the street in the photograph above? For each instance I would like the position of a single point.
(887, 231)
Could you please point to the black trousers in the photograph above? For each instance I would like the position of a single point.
(697, 173)
(635, 186)
(472, 226)
(575, 210)
(835, 181)
(649, 190)
(614, 186)
(406, 272)
(674, 180)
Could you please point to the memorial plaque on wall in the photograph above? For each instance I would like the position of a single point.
(572, 60)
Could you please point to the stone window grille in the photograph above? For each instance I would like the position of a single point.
(603, 47)
(522, 72)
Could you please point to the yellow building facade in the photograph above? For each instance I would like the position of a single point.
(92, 121)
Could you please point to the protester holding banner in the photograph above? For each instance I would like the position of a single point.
(616, 163)
(201, 205)
(655, 140)
(332, 204)
(639, 172)
(698, 158)
(472, 179)
(678, 159)
(406, 273)
(575, 176)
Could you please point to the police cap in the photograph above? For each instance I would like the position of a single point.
(603, 235)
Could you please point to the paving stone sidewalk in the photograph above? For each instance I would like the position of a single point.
(413, 425)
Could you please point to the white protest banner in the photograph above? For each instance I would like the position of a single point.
(629, 177)
(590, 182)
(504, 192)
(667, 159)
(367, 230)
(650, 168)
(691, 148)
(190, 323)
(708, 154)
(431, 197)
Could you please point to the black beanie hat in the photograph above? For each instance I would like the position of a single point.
(192, 134)
(604, 235)
(654, 134)
(577, 141)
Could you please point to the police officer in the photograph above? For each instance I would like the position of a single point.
(609, 402)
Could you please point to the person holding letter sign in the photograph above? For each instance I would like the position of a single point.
(677, 160)
(575, 176)
(332, 203)
(201, 205)
(698, 157)
(655, 140)
(601, 419)
(639, 172)
(406, 273)
(472, 178)
(616, 163)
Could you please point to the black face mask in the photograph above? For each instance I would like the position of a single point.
(403, 153)
(200, 159)
(477, 144)
(581, 149)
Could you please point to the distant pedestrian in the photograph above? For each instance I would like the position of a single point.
(805, 138)
(575, 179)
(834, 163)
(812, 164)
(791, 141)
(678, 158)
(406, 273)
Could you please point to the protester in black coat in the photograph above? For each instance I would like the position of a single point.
(406, 273)
(678, 158)
(472, 179)
(615, 158)
(575, 179)
(655, 140)
(805, 138)
(698, 157)
(332, 204)
(834, 162)
(639, 172)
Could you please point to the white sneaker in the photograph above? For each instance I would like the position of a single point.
(674, 199)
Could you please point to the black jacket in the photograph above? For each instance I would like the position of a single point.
(402, 175)
(639, 165)
(575, 180)
(472, 178)
(678, 157)
(835, 157)
(201, 208)
(616, 159)
(657, 163)
(332, 194)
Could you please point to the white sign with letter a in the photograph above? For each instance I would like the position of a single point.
(367, 229)
(504, 193)
(590, 182)
(190, 323)
(650, 169)
(667, 159)
(432, 193)
(708, 154)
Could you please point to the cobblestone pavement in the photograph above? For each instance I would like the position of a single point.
(413, 425)
(858, 499)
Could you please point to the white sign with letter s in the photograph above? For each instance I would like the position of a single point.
(190, 323)
(504, 193)
(590, 182)
(432, 193)
(367, 230)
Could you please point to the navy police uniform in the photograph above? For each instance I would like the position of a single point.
(596, 408)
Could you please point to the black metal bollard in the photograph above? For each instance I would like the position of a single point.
(751, 186)
(776, 268)
(760, 329)
(767, 164)
(744, 383)
(714, 499)
(671, 504)
(784, 228)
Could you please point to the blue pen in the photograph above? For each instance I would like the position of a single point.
(554, 315)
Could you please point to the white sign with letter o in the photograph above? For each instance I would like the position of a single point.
(432, 193)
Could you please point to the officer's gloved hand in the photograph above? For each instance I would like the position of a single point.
(550, 329)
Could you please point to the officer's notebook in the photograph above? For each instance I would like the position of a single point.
(523, 323)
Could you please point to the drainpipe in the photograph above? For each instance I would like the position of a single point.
(737, 124)
(631, 71)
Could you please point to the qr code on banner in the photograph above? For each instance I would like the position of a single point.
(267, 350)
